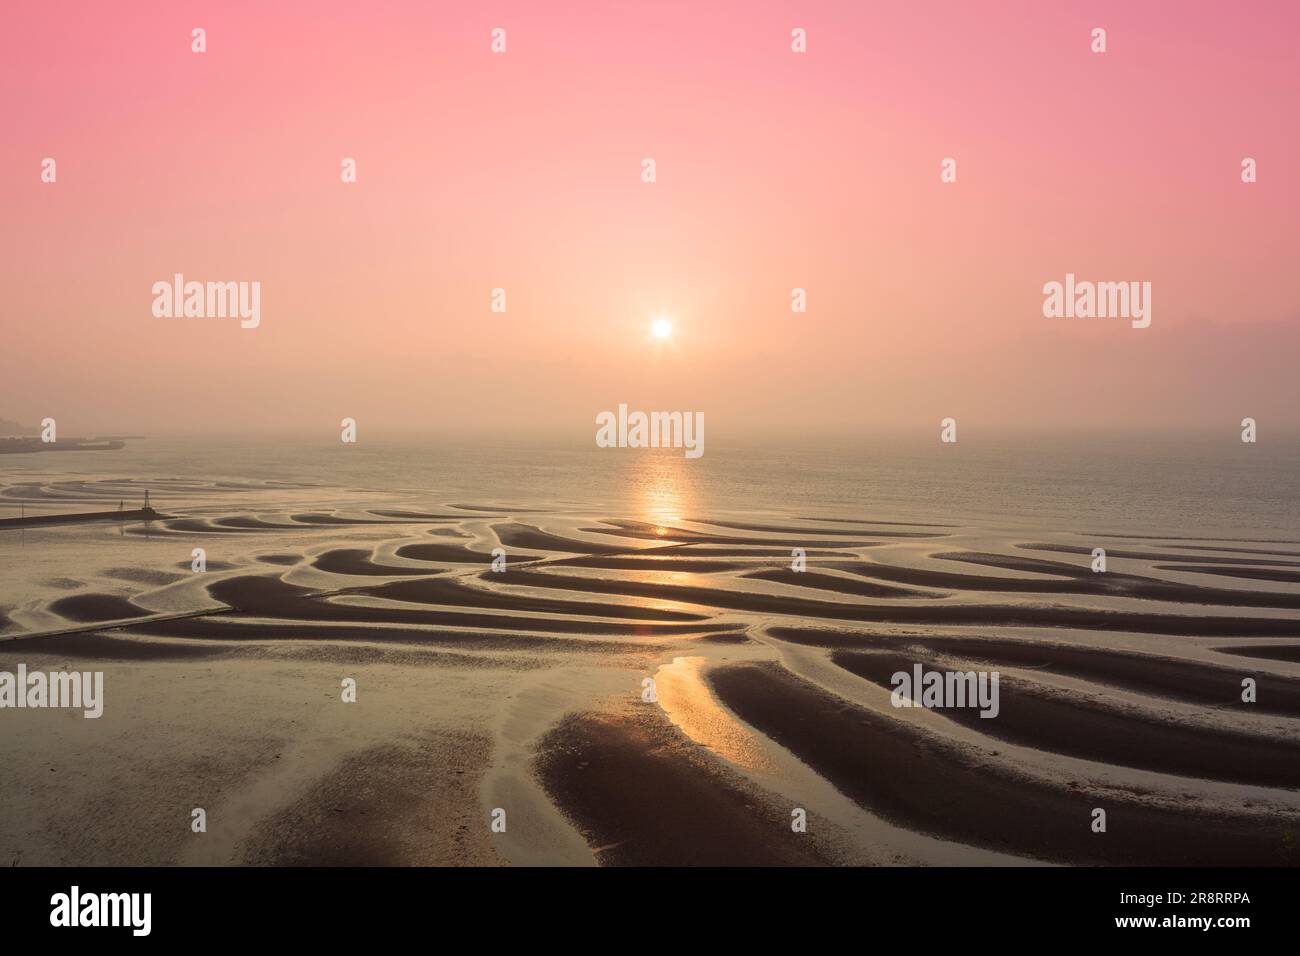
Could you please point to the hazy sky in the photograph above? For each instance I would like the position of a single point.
(775, 170)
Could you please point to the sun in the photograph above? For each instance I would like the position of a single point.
(662, 328)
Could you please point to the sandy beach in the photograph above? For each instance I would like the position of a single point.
(629, 692)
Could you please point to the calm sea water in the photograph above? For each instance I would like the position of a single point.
(1160, 485)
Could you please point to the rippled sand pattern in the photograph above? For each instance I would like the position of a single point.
(638, 693)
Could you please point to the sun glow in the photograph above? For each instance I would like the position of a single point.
(662, 328)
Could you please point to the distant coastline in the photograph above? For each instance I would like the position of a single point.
(24, 445)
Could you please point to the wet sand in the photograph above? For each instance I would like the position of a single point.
(952, 615)
(1157, 676)
(523, 690)
(1034, 715)
(922, 783)
(642, 797)
(367, 812)
(1269, 652)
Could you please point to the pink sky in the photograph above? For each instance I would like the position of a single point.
(775, 170)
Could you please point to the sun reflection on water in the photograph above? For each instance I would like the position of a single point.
(662, 489)
(690, 705)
